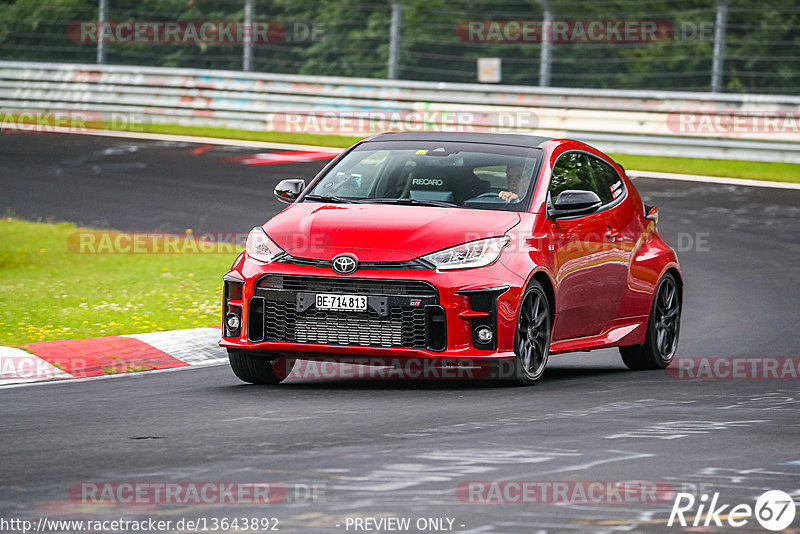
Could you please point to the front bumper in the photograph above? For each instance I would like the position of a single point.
(275, 317)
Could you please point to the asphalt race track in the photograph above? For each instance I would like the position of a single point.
(383, 448)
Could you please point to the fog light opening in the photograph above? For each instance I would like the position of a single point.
(484, 334)
(232, 320)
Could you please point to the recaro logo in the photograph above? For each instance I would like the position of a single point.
(427, 181)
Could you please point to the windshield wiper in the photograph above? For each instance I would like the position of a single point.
(412, 202)
(384, 200)
(331, 198)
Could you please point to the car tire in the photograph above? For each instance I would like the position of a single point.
(532, 336)
(253, 368)
(663, 328)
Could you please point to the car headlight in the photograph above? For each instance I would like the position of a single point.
(469, 255)
(260, 247)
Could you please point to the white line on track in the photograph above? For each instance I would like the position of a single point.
(207, 363)
(712, 179)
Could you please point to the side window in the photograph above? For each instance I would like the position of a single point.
(609, 184)
(571, 171)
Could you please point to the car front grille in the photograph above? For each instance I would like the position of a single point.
(401, 314)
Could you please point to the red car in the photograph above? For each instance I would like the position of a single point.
(487, 251)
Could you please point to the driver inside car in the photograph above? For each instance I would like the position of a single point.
(514, 177)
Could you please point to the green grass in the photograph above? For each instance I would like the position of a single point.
(50, 290)
(754, 170)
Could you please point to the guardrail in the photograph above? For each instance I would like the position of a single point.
(708, 125)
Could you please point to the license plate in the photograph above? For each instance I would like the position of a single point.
(329, 301)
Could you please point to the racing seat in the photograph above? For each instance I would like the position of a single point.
(431, 183)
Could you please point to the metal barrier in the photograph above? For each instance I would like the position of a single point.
(708, 125)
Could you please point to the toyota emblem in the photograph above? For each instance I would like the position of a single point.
(344, 264)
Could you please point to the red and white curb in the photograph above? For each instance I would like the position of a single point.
(275, 158)
(106, 356)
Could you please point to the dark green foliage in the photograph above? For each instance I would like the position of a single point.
(761, 54)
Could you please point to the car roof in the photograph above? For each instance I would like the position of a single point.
(528, 141)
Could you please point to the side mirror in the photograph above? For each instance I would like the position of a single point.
(571, 202)
(651, 213)
(288, 190)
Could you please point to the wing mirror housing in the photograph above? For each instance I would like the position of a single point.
(651, 213)
(288, 190)
(572, 202)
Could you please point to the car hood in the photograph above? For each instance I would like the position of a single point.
(380, 232)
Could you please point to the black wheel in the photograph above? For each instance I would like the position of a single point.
(532, 337)
(253, 368)
(663, 327)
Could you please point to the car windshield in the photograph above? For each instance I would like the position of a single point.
(468, 175)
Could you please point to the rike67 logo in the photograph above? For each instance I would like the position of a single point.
(774, 510)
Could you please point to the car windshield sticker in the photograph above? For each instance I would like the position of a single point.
(435, 182)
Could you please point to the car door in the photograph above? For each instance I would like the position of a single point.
(622, 232)
(629, 228)
(589, 276)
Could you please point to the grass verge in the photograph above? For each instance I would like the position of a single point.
(51, 289)
(753, 170)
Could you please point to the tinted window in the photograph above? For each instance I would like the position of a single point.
(574, 172)
(609, 184)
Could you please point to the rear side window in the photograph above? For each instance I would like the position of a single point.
(609, 184)
(572, 171)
